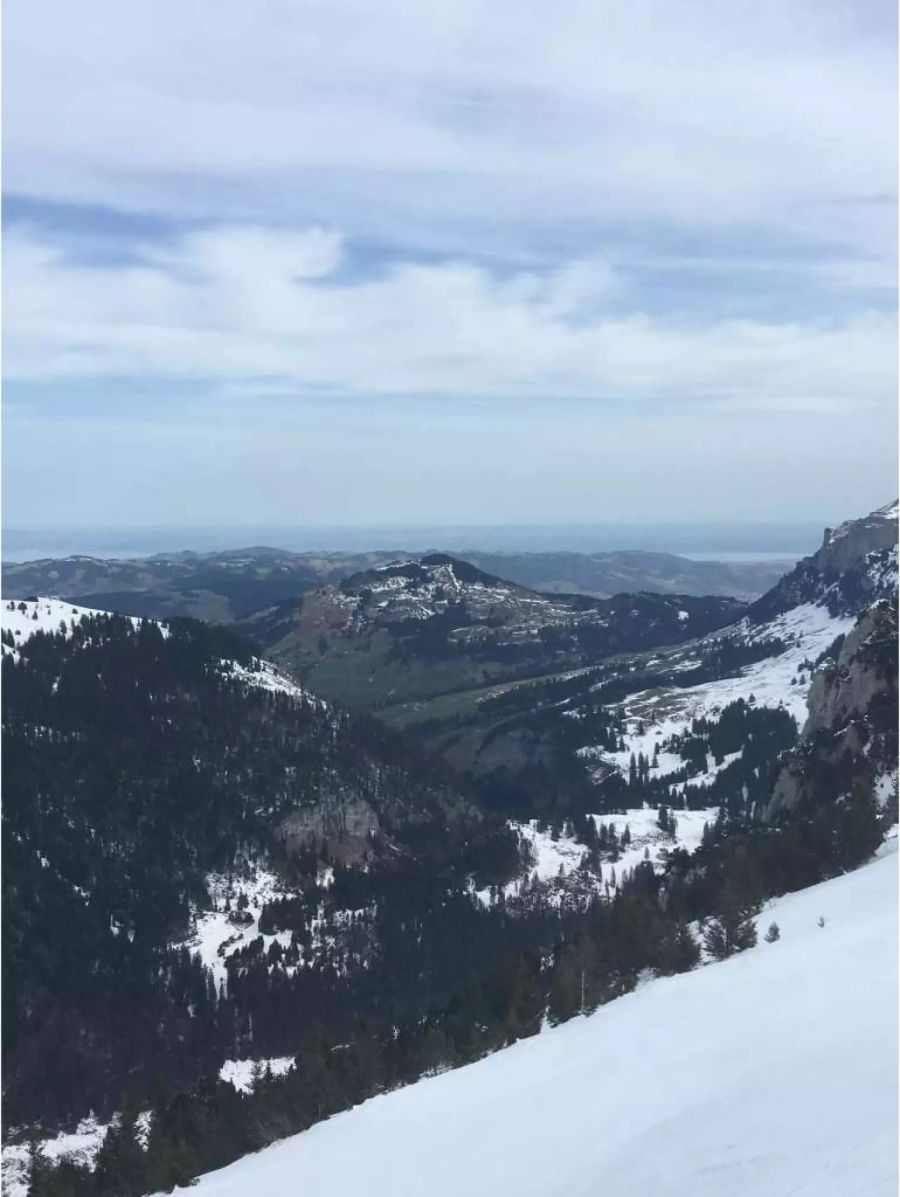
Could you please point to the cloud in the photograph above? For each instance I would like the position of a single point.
(239, 305)
(443, 124)
(299, 256)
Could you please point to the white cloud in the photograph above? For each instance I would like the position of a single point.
(454, 119)
(653, 223)
(236, 304)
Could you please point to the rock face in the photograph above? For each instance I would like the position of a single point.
(856, 566)
(850, 736)
(347, 823)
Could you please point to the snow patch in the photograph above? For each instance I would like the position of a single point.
(242, 1073)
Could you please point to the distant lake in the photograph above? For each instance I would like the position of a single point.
(700, 542)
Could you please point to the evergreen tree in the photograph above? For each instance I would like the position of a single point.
(121, 1168)
(732, 929)
(38, 1168)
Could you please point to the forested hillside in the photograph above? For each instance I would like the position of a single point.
(139, 763)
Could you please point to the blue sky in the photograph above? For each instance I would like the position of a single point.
(299, 262)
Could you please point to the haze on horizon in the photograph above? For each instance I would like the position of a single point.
(305, 264)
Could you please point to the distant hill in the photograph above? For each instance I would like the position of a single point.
(435, 625)
(217, 587)
(225, 586)
(606, 574)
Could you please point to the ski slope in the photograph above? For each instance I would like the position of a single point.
(770, 1075)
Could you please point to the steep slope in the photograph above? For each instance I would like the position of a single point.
(420, 628)
(856, 565)
(798, 625)
(772, 1073)
(849, 739)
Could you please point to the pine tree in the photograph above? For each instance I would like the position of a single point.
(121, 1166)
(39, 1169)
(773, 933)
(732, 929)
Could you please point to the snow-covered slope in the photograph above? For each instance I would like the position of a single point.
(774, 1073)
(24, 617)
(652, 717)
(798, 620)
(855, 566)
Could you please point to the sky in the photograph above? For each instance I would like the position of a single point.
(333, 262)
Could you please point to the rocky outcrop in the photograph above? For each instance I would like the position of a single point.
(855, 567)
(850, 736)
(348, 824)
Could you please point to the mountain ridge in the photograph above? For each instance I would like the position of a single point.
(433, 625)
(228, 585)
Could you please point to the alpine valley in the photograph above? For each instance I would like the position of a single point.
(371, 821)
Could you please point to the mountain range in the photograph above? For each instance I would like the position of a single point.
(229, 585)
(254, 875)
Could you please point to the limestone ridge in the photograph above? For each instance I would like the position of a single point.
(850, 736)
(855, 566)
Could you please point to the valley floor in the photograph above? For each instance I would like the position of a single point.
(772, 1074)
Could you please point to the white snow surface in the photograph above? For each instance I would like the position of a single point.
(772, 1074)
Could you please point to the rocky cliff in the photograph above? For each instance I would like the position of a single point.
(856, 566)
(850, 736)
